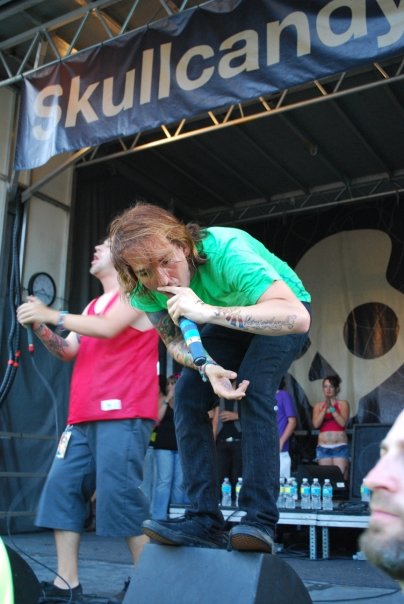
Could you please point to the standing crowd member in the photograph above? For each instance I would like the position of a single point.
(252, 310)
(331, 417)
(227, 430)
(286, 415)
(383, 540)
(168, 477)
(112, 411)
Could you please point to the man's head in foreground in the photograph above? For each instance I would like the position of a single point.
(383, 540)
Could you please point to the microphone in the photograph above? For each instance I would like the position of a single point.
(30, 338)
(192, 339)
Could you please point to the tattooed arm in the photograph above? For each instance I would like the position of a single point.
(278, 311)
(172, 337)
(219, 378)
(64, 349)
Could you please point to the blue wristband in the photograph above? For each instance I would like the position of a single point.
(60, 326)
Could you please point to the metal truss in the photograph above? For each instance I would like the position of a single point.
(102, 20)
(318, 198)
(342, 191)
(235, 115)
(297, 200)
(87, 26)
(287, 100)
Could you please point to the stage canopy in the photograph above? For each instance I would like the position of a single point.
(316, 120)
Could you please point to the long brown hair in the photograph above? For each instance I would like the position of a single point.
(135, 233)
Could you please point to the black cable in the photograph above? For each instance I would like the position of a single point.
(14, 300)
(50, 392)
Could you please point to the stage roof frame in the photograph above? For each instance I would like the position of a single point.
(226, 159)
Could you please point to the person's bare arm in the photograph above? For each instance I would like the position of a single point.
(64, 349)
(215, 421)
(318, 415)
(172, 337)
(342, 416)
(277, 312)
(288, 431)
(219, 378)
(116, 319)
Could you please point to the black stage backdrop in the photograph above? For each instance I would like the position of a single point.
(350, 259)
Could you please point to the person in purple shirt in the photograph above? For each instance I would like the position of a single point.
(286, 416)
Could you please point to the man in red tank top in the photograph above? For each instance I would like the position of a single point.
(112, 411)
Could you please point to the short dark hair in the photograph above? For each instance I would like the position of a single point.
(335, 381)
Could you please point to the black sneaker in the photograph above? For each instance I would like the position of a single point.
(184, 531)
(118, 598)
(252, 538)
(49, 593)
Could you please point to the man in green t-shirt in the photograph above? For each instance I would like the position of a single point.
(253, 316)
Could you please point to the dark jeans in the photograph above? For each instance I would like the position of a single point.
(263, 360)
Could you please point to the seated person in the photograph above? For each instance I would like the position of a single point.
(331, 417)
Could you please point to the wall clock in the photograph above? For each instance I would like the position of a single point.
(43, 287)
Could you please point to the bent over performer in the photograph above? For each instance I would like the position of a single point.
(253, 316)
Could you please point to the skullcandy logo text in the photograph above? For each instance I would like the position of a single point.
(156, 74)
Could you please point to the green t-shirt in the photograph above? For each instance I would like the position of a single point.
(238, 271)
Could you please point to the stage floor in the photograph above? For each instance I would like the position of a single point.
(105, 565)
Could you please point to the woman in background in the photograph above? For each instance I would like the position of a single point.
(331, 417)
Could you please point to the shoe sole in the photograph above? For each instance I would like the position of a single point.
(188, 541)
(248, 543)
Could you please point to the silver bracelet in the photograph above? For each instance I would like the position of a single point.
(202, 369)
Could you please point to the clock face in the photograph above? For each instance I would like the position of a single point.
(43, 287)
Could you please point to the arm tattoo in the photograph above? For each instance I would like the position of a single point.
(236, 319)
(172, 337)
(54, 343)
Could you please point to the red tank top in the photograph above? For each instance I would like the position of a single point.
(329, 424)
(115, 378)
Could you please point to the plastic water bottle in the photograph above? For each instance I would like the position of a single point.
(327, 495)
(315, 495)
(226, 493)
(238, 488)
(295, 490)
(365, 493)
(281, 497)
(305, 503)
(290, 503)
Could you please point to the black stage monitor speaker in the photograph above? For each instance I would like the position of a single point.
(26, 585)
(366, 439)
(194, 575)
(340, 488)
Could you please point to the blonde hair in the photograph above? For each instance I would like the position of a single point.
(136, 232)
